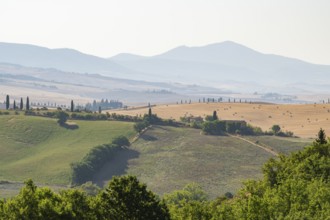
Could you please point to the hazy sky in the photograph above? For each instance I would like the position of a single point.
(294, 28)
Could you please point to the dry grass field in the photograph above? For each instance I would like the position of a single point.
(304, 120)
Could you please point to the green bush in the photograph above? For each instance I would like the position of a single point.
(95, 159)
(121, 141)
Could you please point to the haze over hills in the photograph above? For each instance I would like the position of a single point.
(218, 64)
(64, 59)
(214, 69)
(54, 85)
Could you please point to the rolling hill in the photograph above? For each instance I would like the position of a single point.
(168, 158)
(38, 148)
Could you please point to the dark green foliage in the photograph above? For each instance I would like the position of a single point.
(321, 137)
(126, 198)
(276, 129)
(214, 127)
(84, 170)
(152, 119)
(121, 141)
(27, 103)
(14, 105)
(209, 118)
(215, 117)
(100, 110)
(72, 106)
(188, 203)
(62, 117)
(140, 126)
(234, 127)
(21, 104)
(149, 112)
(7, 102)
(89, 116)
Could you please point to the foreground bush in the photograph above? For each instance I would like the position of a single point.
(124, 198)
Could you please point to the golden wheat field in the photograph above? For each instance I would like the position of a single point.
(304, 120)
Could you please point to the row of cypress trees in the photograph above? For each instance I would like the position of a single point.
(27, 106)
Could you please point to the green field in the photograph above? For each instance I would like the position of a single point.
(167, 158)
(38, 148)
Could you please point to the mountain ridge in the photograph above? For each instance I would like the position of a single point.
(213, 65)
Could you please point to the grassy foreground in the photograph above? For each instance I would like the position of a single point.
(168, 158)
(38, 148)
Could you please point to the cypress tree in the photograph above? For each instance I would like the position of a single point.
(27, 103)
(14, 105)
(214, 117)
(21, 104)
(149, 113)
(72, 106)
(100, 110)
(7, 102)
(321, 137)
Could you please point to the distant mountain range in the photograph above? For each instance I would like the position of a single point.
(216, 64)
(227, 66)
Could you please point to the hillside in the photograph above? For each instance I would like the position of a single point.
(304, 120)
(168, 158)
(38, 148)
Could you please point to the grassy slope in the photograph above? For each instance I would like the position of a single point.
(282, 145)
(38, 148)
(167, 158)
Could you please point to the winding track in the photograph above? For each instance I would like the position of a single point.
(269, 150)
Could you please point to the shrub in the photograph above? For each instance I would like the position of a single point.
(121, 141)
(95, 159)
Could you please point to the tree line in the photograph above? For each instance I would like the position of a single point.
(84, 170)
(16, 105)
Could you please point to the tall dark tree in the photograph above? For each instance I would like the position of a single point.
(21, 104)
(321, 137)
(100, 110)
(72, 106)
(149, 113)
(7, 102)
(27, 103)
(14, 105)
(215, 116)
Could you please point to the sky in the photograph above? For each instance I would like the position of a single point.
(292, 28)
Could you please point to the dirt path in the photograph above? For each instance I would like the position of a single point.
(268, 149)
